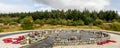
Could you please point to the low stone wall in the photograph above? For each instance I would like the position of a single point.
(104, 38)
(77, 42)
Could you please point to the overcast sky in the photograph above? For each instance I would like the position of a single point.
(34, 5)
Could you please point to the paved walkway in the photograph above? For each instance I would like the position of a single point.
(109, 45)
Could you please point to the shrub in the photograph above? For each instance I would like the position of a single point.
(80, 22)
(6, 23)
(62, 22)
(77, 23)
(69, 22)
(27, 23)
(115, 26)
(1, 21)
(13, 23)
(105, 26)
(37, 21)
(98, 22)
(40, 22)
(1, 29)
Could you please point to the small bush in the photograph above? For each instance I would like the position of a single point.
(37, 21)
(27, 23)
(69, 22)
(1, 29)
(6, 23)
(98, 22)
(115, 26)
(78, 23)
(13, 23)
(105, 26)
(62, 22)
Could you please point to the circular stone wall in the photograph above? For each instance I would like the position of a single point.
(59, 37)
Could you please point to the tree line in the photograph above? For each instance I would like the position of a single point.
(61, 17)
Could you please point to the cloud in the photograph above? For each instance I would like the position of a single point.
(76, 4)
(42, 7)
(6, 8)
(12, 8)
(34, 5)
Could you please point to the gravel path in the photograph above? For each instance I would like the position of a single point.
(109, 45)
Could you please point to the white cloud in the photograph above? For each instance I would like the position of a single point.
(119, 13)
(37, 5)
(46, 8)
(6, 8)
(76, 4)
(52, 4)
(11, 8)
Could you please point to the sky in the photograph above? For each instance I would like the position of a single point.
(7, 6)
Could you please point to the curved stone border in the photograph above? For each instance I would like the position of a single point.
(89, 42)
(50, 31)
